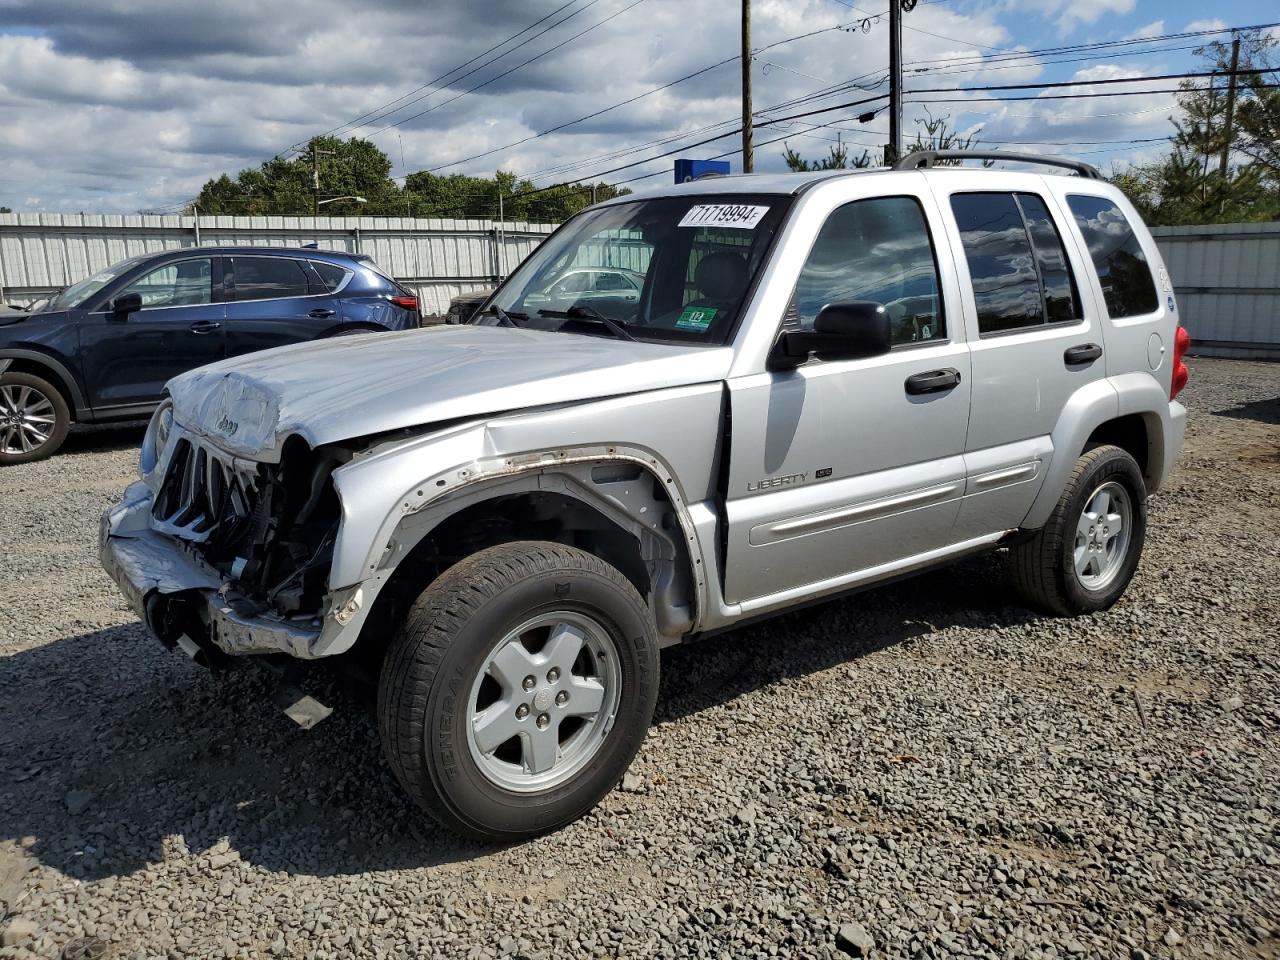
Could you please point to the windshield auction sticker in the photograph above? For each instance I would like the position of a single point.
(737, 215)
(696, 318)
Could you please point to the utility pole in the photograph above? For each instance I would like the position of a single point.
(894, 149)
(748, 158)
(315, 178)
(1231, 105)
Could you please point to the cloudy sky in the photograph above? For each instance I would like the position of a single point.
(133, 104)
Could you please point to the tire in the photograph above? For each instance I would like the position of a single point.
(455, 653)
(1046, 568)
(34, 418)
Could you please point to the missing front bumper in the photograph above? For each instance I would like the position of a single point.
(178, 596)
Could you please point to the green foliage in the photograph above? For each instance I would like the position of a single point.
(357, 168)
(837, 159)
(934, 133)
(1189, 185)
(5, 210)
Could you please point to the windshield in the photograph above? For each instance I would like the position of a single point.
(671, 268)
(78, 293)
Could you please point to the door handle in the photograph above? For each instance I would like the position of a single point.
(1084, 353)
(320, 313)
(205, 326)
(934, 381)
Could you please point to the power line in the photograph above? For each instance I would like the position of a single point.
(384, 110)
(507, 73)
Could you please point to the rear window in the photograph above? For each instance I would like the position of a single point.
(1123, 271)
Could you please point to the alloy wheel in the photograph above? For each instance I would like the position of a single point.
(544, 701)
(27, 418)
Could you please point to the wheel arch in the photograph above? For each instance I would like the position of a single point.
(1130, 411)
(618, 509)
(42, 365)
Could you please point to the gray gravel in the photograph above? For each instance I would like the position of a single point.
(921, 771)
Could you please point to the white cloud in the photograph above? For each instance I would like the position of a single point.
(1153, 29)
(1212, 24)
(145, 104)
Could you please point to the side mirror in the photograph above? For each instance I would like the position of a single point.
(842, 331)
(124, 305)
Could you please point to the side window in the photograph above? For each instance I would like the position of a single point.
(1061, 302)
(1018, 266)
(611, 281)
(187, 283)
(268, 278)
(876, 250)
(1002, 267)
(1122, 267)
(331, 275)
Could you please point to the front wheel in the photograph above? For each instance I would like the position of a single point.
(518, 690)
(34, 418)
(1084, 556)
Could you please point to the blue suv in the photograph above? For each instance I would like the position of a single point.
(103, 349)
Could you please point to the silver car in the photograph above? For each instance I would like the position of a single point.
(823, 382)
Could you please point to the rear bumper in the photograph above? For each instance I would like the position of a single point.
(1175, 427)
(179, 597)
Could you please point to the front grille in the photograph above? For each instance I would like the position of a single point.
(205, 492)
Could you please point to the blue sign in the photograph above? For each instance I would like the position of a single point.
(687, 170)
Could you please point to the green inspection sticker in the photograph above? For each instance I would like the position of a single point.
(696, 318)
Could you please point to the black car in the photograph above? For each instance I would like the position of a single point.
(103, 349)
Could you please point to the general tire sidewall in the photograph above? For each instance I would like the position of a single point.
(61, 413)
(1122, 468)
(470, 795)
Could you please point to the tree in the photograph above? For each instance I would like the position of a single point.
(1188, 185)
(284, 186)
(5, 210)
(938, 136)
(357, 168)
(837, 159)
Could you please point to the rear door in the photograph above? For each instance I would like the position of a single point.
(1035, 340)
(273, 301)
(128, 360)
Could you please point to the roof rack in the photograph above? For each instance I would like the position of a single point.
(930, 158)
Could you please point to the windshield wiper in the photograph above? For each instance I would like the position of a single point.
(506, 319)
(581, 311)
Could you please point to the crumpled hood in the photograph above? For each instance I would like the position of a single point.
(348, 387)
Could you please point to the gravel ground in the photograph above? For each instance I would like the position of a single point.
(923, 770)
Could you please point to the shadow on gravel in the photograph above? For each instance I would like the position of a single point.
(155, 748)
(92, 438)
(158, 748)
(715, 670)
(1263, 411)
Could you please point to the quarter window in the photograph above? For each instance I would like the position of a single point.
(331, 275)
(267, 278)
(187, 283)
(877, 250)
(1117, 255)
(1017, 263)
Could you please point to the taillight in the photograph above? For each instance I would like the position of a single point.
(1181, 344)
(409, 303)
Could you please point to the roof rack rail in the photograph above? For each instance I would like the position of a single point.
(930, 158)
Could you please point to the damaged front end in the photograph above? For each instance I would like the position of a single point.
(221, 554)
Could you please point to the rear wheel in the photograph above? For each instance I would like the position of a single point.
(1083, 558)
(519, 689)
(34, 418)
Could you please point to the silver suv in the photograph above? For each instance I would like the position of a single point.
(825, 382)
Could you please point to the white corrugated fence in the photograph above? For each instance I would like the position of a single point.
(41, 253)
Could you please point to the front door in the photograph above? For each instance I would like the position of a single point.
(845, 466)
(272, 301)
(128, 359)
